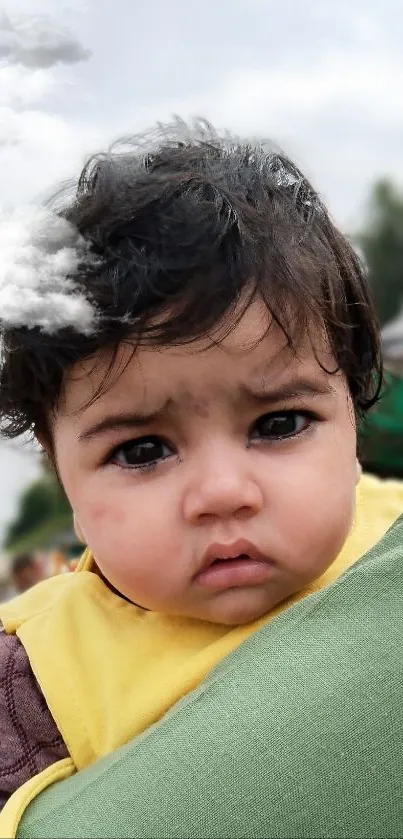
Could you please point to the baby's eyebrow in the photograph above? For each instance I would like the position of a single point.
(122, 419)
(298, 388)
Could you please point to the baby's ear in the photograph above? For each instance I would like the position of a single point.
(359, 470)
(77, 529)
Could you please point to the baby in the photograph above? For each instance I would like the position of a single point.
(195, 376)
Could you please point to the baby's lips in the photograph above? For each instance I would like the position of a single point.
(231, 550)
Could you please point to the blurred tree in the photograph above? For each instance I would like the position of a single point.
(41, 502)
(382, 247)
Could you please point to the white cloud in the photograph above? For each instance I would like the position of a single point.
(48, 148)
(38, 41)
(38, 144)
(39, 254)
(21, 87)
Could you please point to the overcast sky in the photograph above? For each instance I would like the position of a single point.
(323, 79)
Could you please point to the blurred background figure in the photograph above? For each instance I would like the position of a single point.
(25, 571)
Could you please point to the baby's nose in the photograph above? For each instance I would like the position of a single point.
(224, 486)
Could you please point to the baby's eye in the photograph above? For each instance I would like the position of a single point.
(280, 425)
(143, 452)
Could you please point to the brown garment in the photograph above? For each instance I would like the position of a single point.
(29, 738)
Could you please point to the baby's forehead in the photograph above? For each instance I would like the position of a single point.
(194, 376)
(253, 336)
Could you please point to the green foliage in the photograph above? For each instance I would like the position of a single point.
(45, 535)
(380, 434)
(382, 246)
(42, 503)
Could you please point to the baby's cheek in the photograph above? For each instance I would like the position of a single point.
(107, 530)
(320, 528)
(101, 511)
(334, 529)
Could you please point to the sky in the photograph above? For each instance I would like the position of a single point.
(323, 80)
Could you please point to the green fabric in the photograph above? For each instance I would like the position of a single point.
(298, 733)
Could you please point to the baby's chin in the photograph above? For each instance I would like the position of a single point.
(238, 607)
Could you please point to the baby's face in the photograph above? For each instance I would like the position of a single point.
(211, 482)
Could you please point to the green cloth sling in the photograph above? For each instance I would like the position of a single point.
(297, 733)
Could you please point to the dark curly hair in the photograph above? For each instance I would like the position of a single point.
(186, 224)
